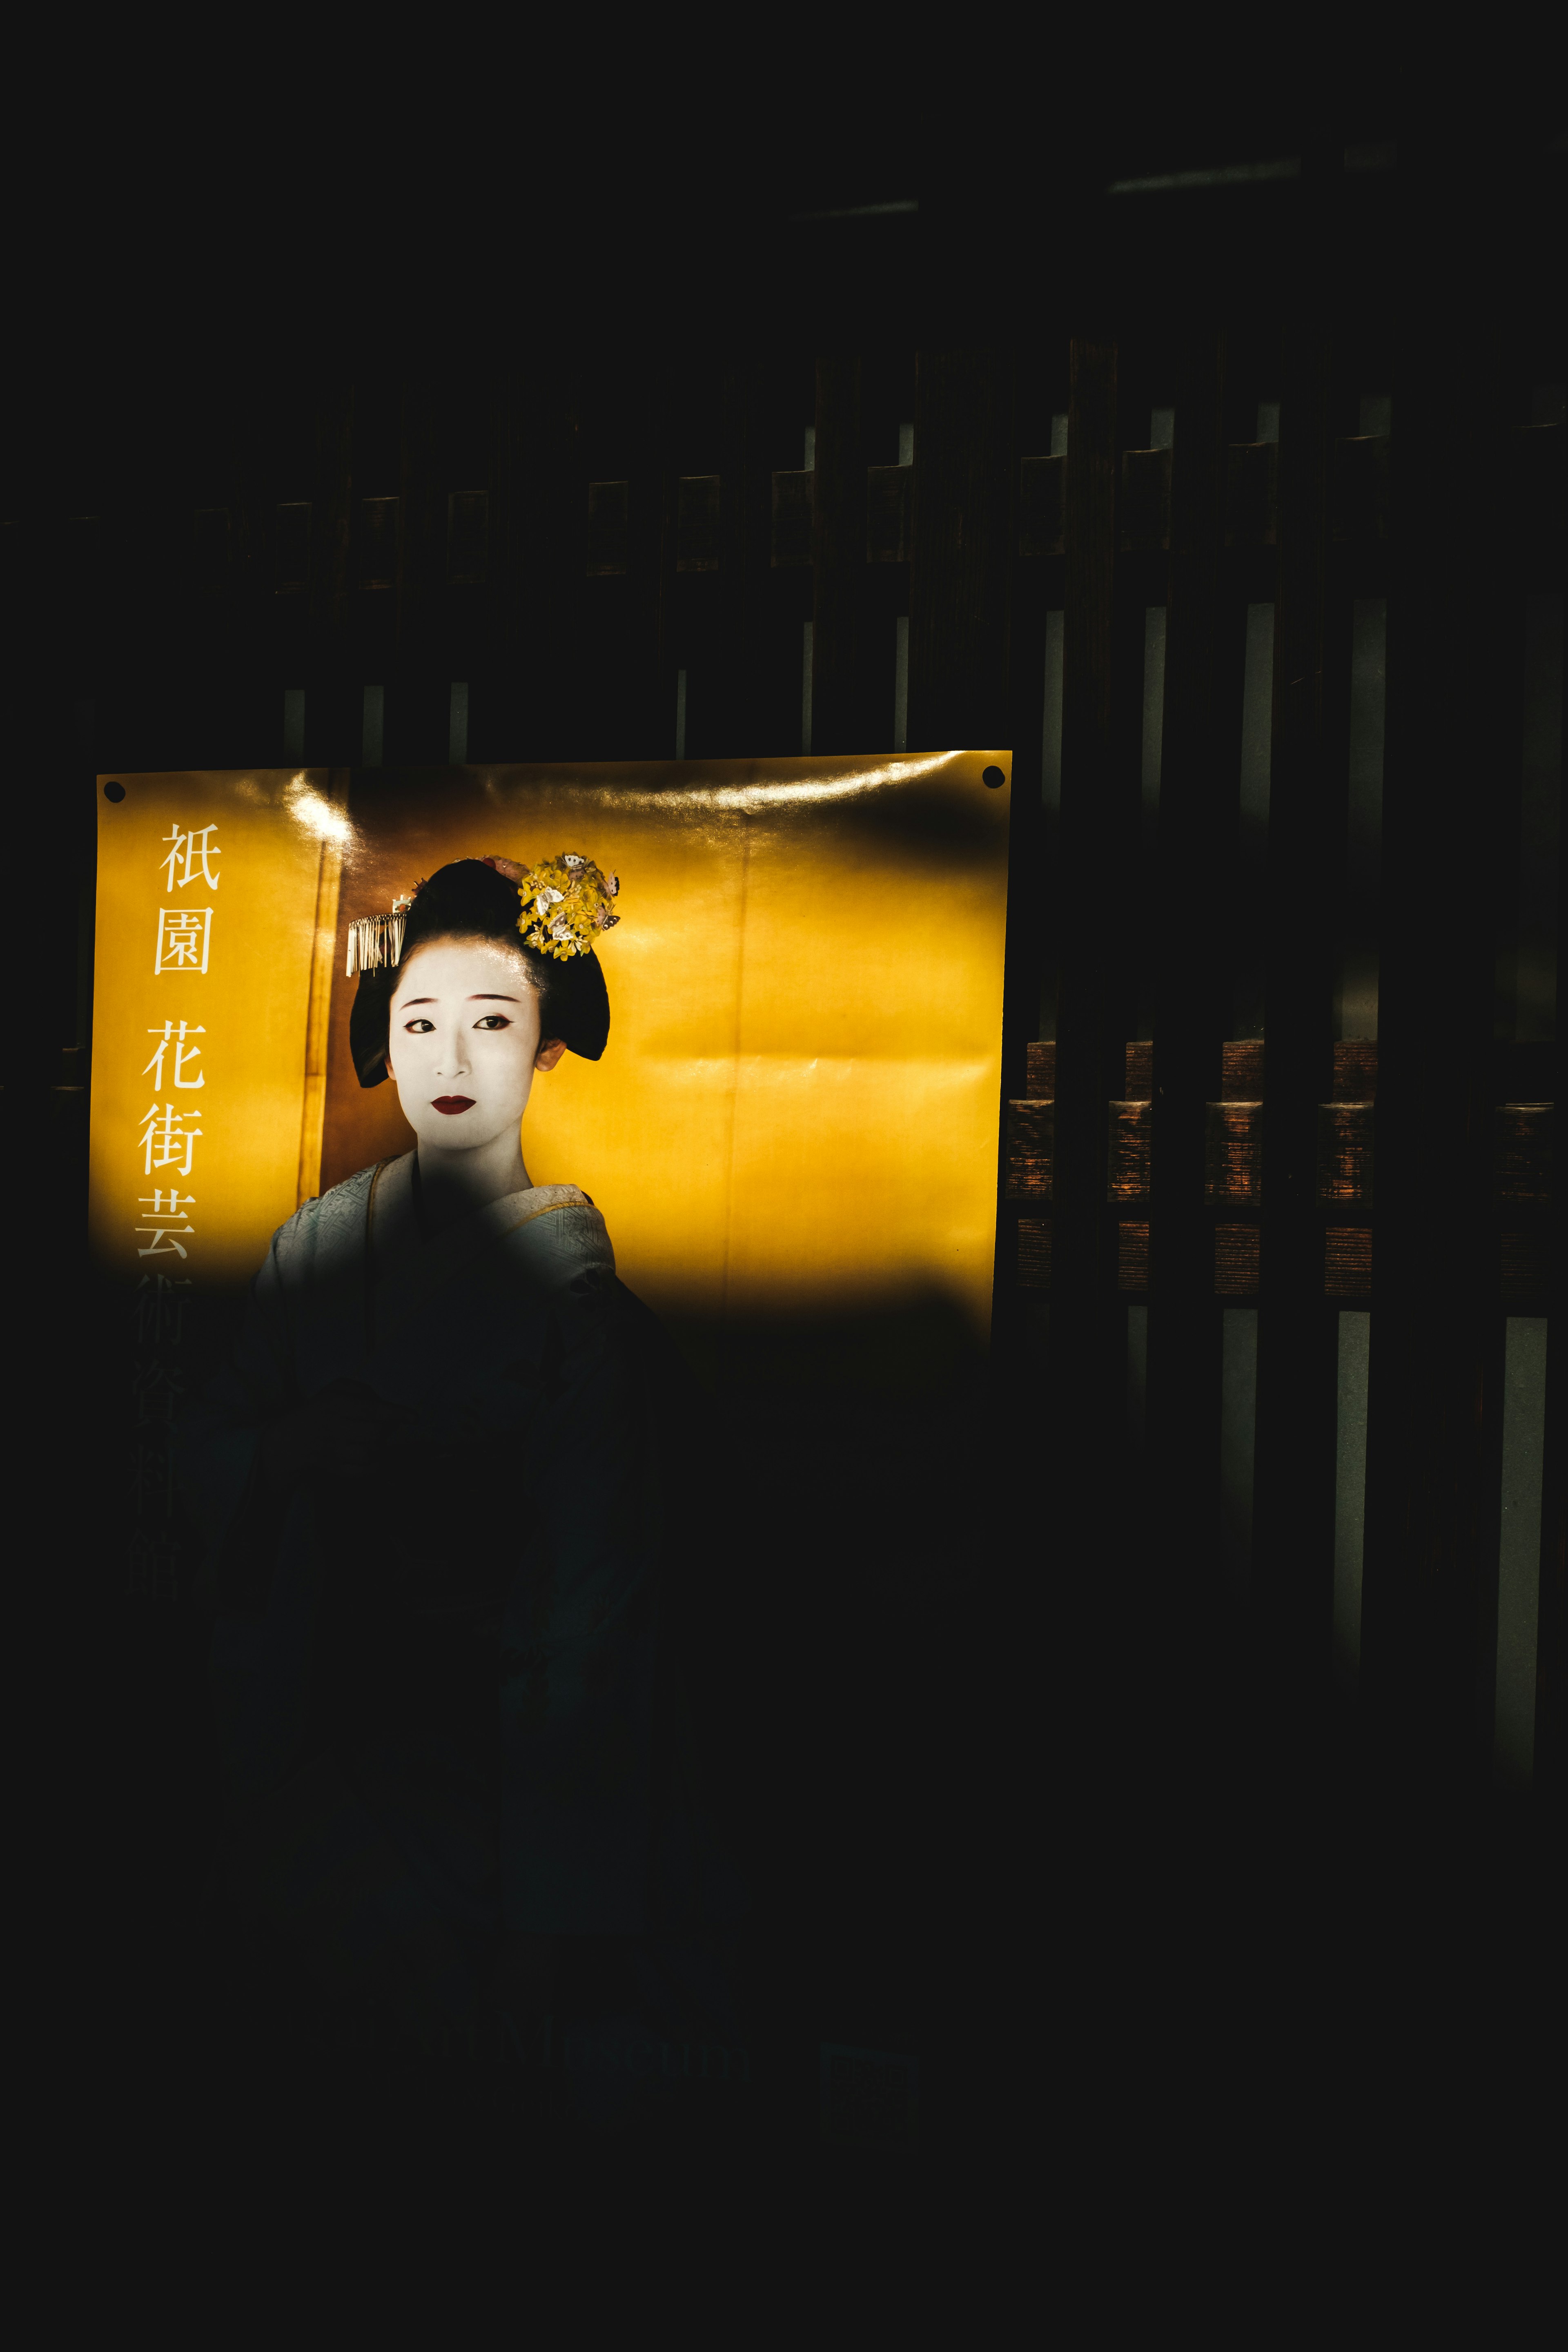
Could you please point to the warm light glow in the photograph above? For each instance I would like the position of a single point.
(761, 793)
(318, 815)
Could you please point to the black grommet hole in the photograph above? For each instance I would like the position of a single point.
(995, 778)
(114, 792)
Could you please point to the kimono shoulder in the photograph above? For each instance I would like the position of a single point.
(563, 1244)
(551, 1234)
(323, 1232)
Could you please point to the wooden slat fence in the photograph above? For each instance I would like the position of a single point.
(840, 551)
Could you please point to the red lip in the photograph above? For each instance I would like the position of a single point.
(453, 1104)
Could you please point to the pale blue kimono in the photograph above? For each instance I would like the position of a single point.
(445, 1706)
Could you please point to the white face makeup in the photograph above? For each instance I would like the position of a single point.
(463, 1043)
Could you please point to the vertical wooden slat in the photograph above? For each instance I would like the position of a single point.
(533, 641)
(1292, 1523)
(1551, 1634)
(623, 708)
(965, 540)
(328, 589)
(422, 592)
(498, 693)
(1034, 878)
(743, 557)
(1081, 1368)
(1197, 789)
(839, 715)
(656, 721)
(784, 409)
(331, 673)
(1024, 1256)
(247, 635)
(1434, 1356)
(1087, 753)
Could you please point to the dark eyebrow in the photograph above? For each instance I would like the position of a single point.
(486, 997)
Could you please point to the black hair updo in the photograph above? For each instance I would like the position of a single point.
(470, 900)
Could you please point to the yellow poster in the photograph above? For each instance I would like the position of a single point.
(796, 1108)
(414, 1093)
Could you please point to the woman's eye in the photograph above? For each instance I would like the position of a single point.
(492, 1021)
(418, 1028)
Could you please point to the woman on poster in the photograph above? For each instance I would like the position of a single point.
(459, 1773)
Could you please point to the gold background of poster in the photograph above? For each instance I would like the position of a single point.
(798, 1107)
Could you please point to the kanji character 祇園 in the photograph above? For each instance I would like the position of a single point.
(165, 1135)
(195, 850)
(185, 936)
(174, 1034)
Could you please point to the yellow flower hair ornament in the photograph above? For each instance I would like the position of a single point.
(566, 903)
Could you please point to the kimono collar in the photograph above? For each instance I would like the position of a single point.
(419, 1276)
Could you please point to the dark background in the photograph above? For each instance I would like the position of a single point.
(1100, 1852)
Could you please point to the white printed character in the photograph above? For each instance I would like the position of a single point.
(174, 1034)
(184, 935)
(157, 1388)
(160, 1309)
(195, 850)
(165, 1135)
(167, 1209)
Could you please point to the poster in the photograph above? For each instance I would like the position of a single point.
(790, 1136)
(799, 1107)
